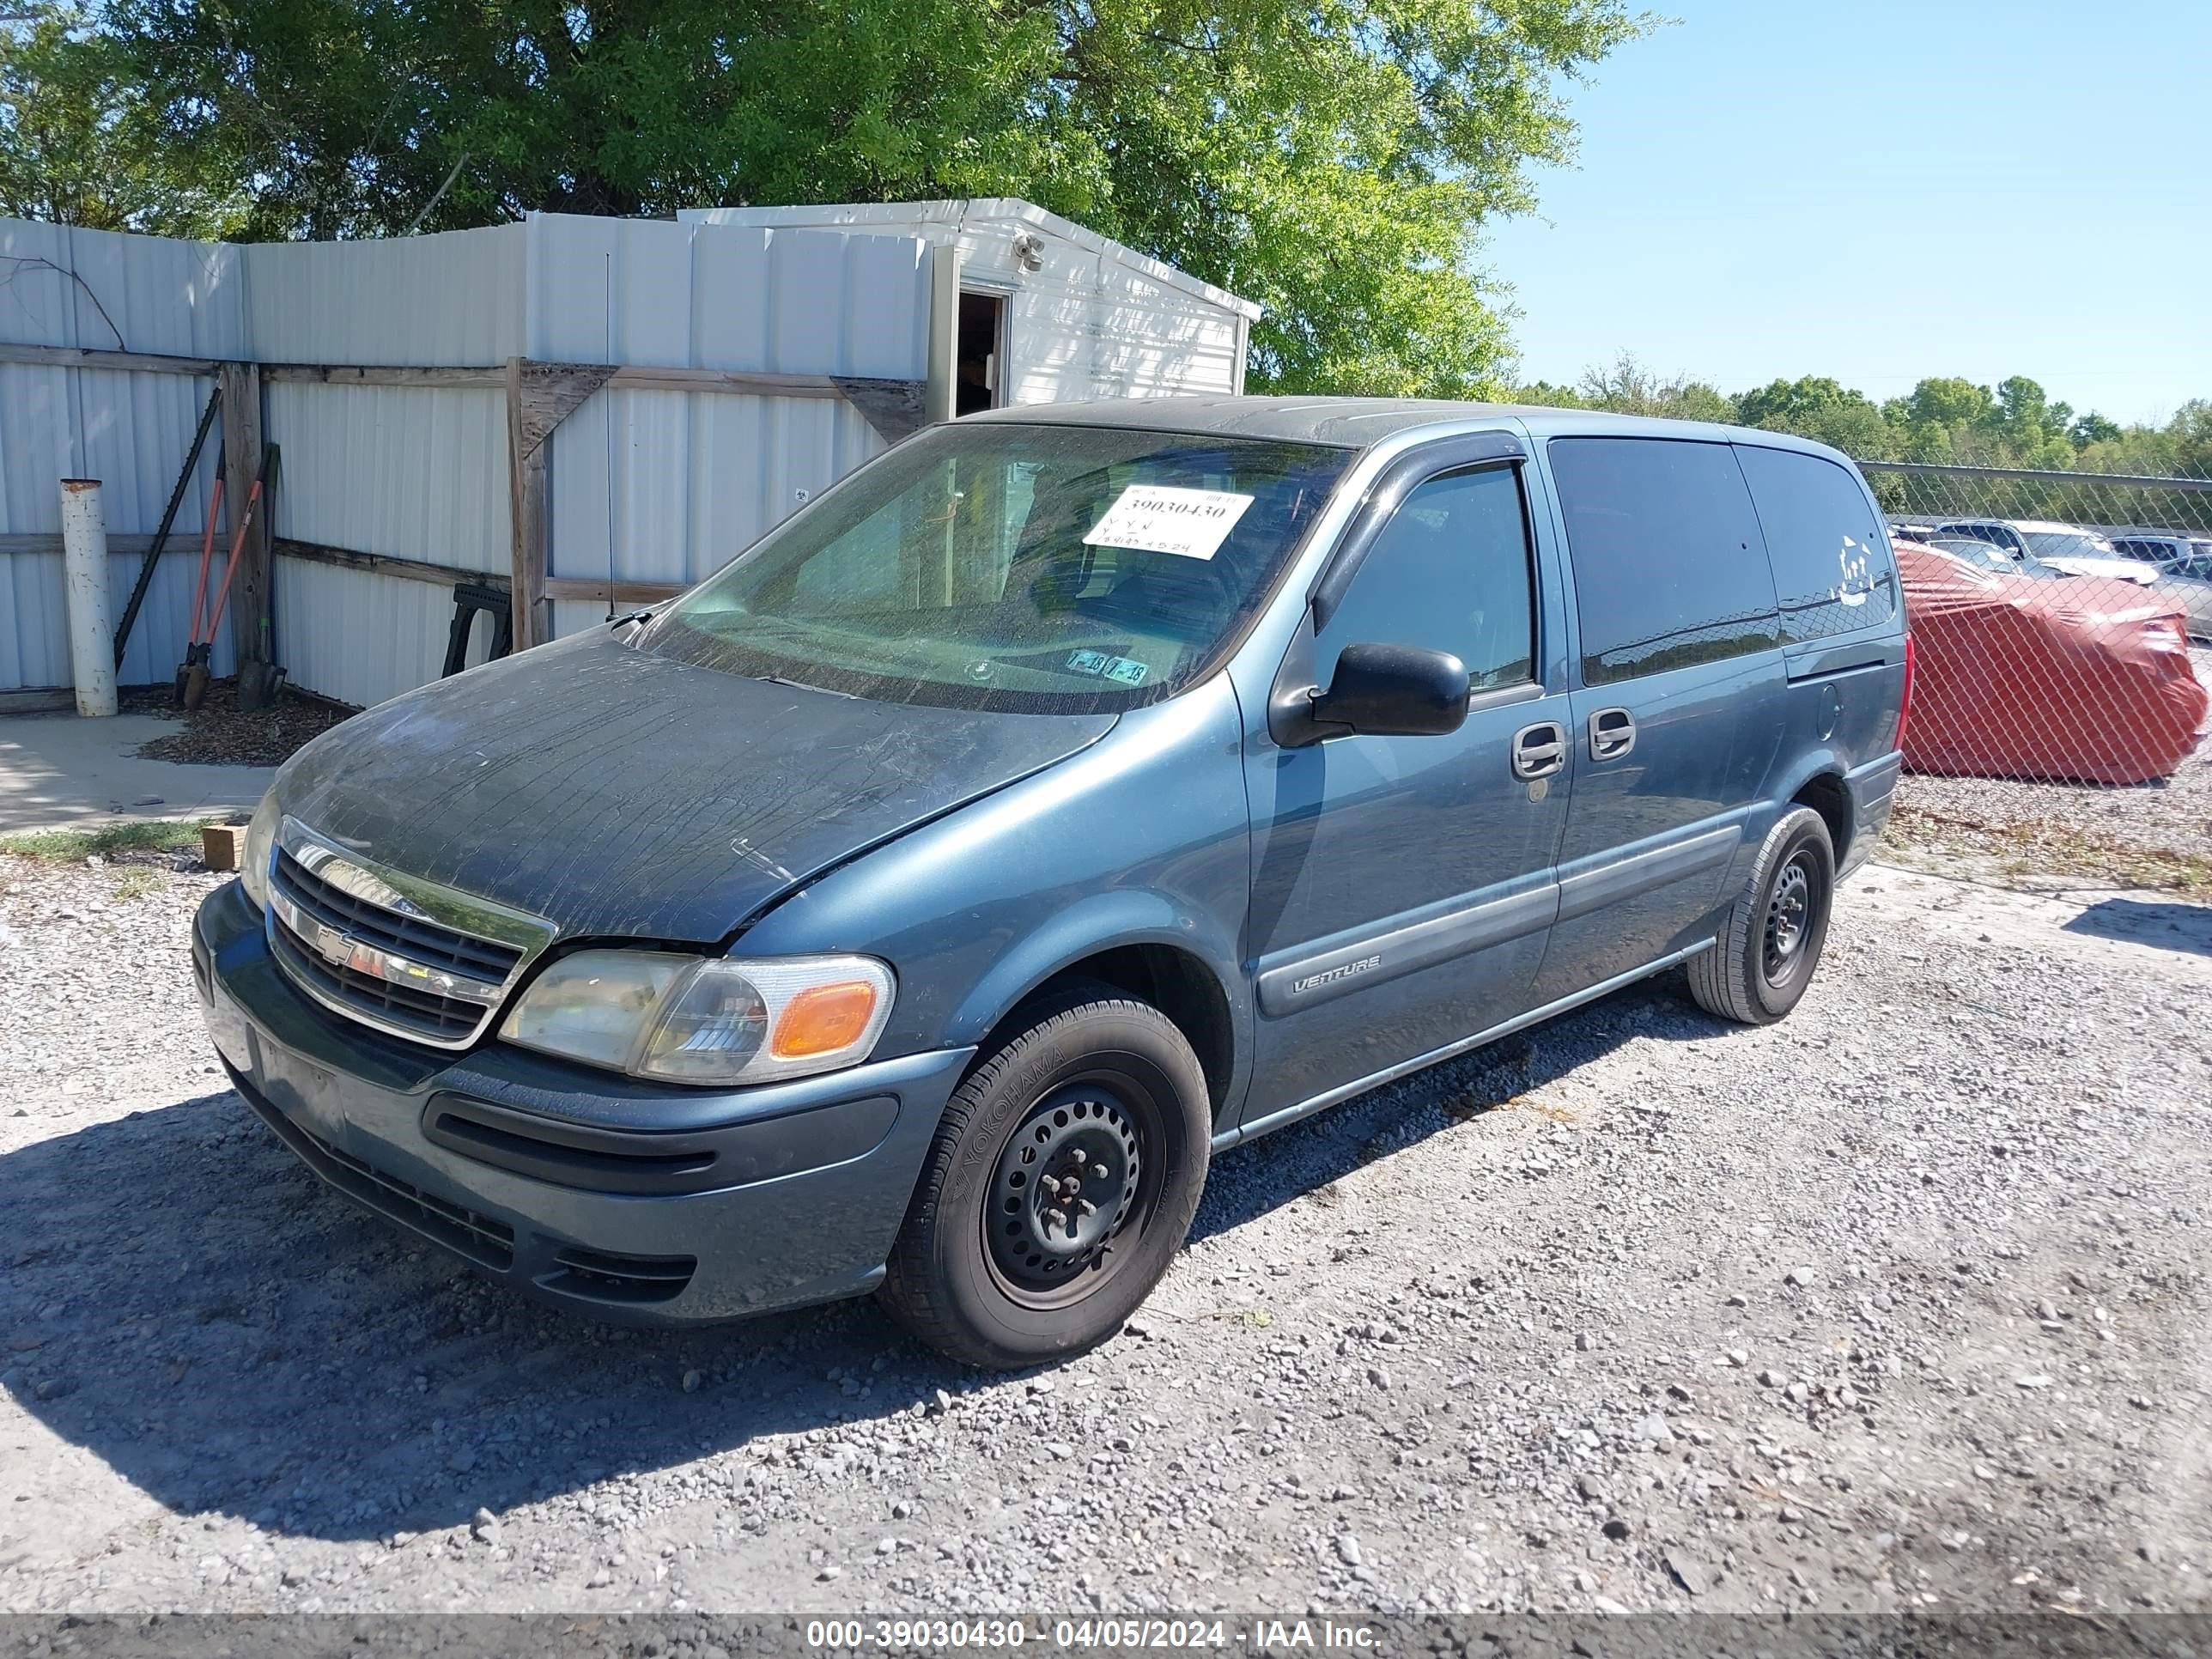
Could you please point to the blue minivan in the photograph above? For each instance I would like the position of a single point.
(920, 903)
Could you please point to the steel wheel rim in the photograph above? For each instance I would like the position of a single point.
(1788, 919)
(1071, 1191)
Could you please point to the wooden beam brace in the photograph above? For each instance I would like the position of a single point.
(894, 408)
(492, 378)
(897, 409)
(386, 564)
(584, 588)
(50, 541)
(550, 392)
(92, 357)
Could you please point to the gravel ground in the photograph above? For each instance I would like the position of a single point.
(217, 733)
(2173, 818)
(1900, 1303)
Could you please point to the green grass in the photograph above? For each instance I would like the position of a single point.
(105, 841)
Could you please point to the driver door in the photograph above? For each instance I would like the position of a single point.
(1403, 887)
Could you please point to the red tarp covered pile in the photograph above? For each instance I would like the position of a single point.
(2016, 678)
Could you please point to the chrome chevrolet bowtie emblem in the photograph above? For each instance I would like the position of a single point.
(334, 947)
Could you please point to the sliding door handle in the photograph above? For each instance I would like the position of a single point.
(1611, 733)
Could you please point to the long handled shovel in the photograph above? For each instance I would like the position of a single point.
(196, 654)
(196, 665)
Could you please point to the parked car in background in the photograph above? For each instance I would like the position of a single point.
(2174, 553)
(1071, 792)
(2016, 678)
(2184, 565)
(1988, 556)
(2066, 547)
(2192, 597)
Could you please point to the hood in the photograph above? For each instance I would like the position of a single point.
(617, 792)
(2122, 570)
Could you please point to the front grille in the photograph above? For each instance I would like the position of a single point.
(487, 1242)
(418, 1013)
(405, 973)
(417, 938)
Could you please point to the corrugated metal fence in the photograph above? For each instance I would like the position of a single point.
(76, 289)
(647, 480)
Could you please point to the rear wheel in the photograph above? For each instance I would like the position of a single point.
(1064, 1178)
(1771, 942)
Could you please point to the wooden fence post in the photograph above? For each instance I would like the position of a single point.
(250, 621)
(528, 504)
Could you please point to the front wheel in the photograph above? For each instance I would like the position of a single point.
(1062, 1181)
(1771, 942)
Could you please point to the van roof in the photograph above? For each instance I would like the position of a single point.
(1357, 422)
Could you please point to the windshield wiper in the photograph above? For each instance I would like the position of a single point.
(801, 685)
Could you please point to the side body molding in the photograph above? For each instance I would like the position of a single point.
(1459, 928)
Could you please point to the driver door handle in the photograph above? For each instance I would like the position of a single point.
(1539, 750)
(1611, 733)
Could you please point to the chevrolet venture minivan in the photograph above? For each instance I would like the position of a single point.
(917, 905)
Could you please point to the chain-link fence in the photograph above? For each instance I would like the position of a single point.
(2063, 636)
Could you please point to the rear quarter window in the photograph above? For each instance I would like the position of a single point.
(1832, 569)
(1665, 551)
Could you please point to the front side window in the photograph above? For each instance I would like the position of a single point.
(1665, 548)
(1450, 573)
(1832, 571)
(1041, 570)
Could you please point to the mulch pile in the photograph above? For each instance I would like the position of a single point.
(217, 734)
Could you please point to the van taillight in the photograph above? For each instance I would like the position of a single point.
(1905, 697)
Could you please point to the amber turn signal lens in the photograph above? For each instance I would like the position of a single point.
(823, 1020)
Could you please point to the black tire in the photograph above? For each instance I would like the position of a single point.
(1771, 942)
(1098, 1089)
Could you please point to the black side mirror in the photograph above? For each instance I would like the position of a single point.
(1395, 691)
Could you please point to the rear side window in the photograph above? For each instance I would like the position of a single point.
(1833, 570)
(1665, 547)
(1450, 572)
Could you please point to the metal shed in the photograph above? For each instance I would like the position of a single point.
(580, 412)
(1043, 310)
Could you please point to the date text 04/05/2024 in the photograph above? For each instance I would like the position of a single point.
(1091, 1634)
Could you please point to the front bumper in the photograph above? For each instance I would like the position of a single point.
(631, 1201)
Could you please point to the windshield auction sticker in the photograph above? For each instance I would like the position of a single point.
(1164, 519)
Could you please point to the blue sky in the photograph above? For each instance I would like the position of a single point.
(1881, 190)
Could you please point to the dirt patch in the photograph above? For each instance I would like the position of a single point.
(2039, 855)
(220, 733)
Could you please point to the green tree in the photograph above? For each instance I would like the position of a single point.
(1627, 386)
(1947, 401)
(1333, 161)
(75, 140)
(1544, 394)
(1821, 409)
(2092, 428)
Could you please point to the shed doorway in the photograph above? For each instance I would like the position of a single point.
(981, 357)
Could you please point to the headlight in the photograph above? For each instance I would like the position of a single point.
(690, 1019)
(260, 851)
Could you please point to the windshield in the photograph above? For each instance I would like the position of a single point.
(2068, 544)
(1042, 569)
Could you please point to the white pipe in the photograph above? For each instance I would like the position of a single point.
(84, 566)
